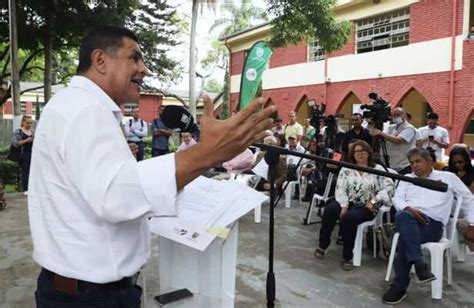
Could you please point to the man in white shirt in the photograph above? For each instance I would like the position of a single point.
(135, 130)
(433, 136)
(89, 199)
(421, 217)
(400, 138)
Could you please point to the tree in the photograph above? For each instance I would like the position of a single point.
(52, 29)
(235, 18)
(301, 20)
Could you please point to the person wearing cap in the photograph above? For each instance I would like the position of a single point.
(293, 128)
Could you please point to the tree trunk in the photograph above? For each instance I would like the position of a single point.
(192, 61)
(48, 61)
(15, 76)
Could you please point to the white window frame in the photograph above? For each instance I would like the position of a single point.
(388, 29)
(315, 51)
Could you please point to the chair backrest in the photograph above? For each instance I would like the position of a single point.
(457, 209)
(327, 189)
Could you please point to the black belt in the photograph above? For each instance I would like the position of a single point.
(74, 286)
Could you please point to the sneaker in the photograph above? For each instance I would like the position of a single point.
(319, 253)
(393, 296)
(347, 265)
(423, 273)
(339, 241)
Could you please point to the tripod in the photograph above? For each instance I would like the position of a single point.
(379, 145)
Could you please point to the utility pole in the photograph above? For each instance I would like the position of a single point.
(15, 76)
(192, 61)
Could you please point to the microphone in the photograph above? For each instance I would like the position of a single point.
(176, 117)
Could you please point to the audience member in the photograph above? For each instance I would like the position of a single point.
(23, 138)
(278, 129)
(240, 163)
(356, 133)
(281, 169)
(135, 130)
(437, 164)
(460, 164)
(422, 215)
(357, 196)
(187, 141)
(433, 136)
(161, 134)
(400, 138)
(293, 128)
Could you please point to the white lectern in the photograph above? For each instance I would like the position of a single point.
(208, 274)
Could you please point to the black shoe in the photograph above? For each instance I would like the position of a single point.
(393, 296)
(423, 273)
(339, 241)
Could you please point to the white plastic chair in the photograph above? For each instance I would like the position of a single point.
(291, 188)
(361, 229)
(436, 250)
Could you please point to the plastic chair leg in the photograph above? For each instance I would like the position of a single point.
(392, 256)
(449, 264)
(437, 270)
(357, 251)
(288, 193)
(258, 214)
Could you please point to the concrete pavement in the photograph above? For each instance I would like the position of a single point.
(302, 281)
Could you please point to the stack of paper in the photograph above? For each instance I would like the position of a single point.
(205, 208)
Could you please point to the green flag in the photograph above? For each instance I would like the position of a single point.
(255, 63)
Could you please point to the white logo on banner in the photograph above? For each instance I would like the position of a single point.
(260, 52)
(184, 118)
(251, 74)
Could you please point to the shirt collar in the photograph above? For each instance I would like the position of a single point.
(87, 84)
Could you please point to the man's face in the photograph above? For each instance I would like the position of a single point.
(292, 116)
(432, 123)
(278, 125)
(356, 121)
(419, 165)
(396, 113)
(135, 113)
(186, 139)
(292, 142)
(125, 72)
(160, 112)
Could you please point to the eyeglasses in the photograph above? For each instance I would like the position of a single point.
(458, 162)
(360, 151)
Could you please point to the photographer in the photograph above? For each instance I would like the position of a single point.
(401, 139)
(358, 132)
(433, 136)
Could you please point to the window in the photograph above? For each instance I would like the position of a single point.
(470, 127)
(384, 31)
(315, 51)
(127, 109)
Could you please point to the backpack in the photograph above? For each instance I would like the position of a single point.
(130, 123)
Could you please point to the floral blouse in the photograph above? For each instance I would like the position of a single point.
(359, 187)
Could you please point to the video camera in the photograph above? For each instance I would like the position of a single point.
(378, 112)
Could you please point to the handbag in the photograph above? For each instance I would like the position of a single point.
(14, 154)
(384, 234)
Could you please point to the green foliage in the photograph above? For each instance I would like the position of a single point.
(213, 86)
(225, 112)
(9, 172)
(302, 20)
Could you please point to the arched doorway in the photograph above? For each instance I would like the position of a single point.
(303, 111)
(416, 105)
(348, 106)
(468, 136)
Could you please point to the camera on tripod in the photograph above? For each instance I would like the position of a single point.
(378, 112)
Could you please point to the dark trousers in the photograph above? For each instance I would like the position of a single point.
(25, 163)
(412, 235)
(348, 226)
(141, 150)
(89, 295)
(159, 152)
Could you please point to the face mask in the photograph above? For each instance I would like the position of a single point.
(397, 121)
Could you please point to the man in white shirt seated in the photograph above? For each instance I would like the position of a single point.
(135, 130)
(421, 217)
(89, 200)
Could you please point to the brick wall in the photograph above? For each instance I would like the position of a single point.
(237, 62)
(149, 106)
(292, 54)
(432, 19)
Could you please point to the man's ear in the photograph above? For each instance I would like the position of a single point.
(99, 61)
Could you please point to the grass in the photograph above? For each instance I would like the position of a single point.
(10, 188)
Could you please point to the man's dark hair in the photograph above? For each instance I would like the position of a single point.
(278, 120)
(357, 114)
(408, 116)
(433, 116)
(107, 38)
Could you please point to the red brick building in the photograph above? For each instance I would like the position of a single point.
(415, 54)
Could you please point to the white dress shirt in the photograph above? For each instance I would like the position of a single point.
(88, 198)
(439, 133)
(140, 128)
(435, 204)
(293, 160)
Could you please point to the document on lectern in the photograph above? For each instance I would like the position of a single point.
(204, 209)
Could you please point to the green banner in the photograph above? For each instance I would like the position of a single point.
(255, 63)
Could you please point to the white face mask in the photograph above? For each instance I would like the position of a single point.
(397, 120)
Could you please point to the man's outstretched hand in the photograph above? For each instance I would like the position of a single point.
(222, 140)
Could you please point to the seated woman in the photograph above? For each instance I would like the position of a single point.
(460, 164)
(357, 194)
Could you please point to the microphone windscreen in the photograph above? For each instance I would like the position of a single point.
(176, 117)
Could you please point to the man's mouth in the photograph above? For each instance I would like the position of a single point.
(138, 82)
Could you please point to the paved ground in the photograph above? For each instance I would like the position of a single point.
(301, 280)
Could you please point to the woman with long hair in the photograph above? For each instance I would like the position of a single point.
(460, 164)
(23, 138)
(357, 196)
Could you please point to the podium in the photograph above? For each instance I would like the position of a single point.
(209, 274)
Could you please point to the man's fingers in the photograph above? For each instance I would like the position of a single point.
(249, 110)
(208, 106)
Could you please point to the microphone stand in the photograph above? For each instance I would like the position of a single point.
(272, 157)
